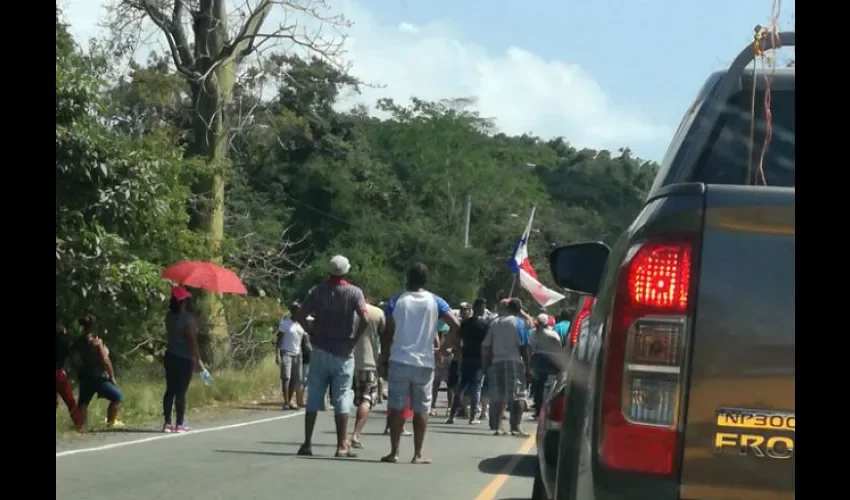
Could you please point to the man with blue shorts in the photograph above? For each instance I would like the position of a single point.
(408, 359)
(334, 304)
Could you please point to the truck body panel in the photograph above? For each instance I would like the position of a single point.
(742, 348)
(726, 190)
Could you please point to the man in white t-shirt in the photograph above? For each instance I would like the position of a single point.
(408, 357)
(290, 336)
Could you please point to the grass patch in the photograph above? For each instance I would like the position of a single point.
(143, 387)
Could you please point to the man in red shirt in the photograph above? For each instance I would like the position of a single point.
(333, 303)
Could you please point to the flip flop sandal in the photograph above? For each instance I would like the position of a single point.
(420, 461)
(389, 459)
(357, 444)
(345, 454)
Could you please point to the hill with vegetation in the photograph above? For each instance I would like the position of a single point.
(303, 179)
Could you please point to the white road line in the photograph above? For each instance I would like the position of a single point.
(173, 436)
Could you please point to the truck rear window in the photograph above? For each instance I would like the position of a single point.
(727, 161)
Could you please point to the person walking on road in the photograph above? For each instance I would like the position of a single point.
(505, 353)
(306, 352)
(471, 337)
(290, 339)
(366, 369)
(96, 376)
(406, 415)
(562, 327)
(63, 385)
(545, 345)
(465, 312)
(442, 362)
(500, 308)
(409, 342)
(333, 303)
(182, 358)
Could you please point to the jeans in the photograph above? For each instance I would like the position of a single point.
(329, 371)
(541, 369)
(538, 385)
(178, 375)
(91, 387)
(471, 378)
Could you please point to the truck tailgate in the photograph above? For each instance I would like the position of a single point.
(739, 420)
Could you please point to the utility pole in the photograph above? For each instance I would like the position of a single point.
(466, 216)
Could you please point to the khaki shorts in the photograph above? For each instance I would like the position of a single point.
(291, 368)
(415, 382)
(365, 387)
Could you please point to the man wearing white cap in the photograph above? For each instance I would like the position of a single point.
(334, 304)
(545, 345)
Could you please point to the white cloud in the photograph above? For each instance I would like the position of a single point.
(408, 28)
(521, 90)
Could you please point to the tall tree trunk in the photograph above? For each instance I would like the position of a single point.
(210, 142)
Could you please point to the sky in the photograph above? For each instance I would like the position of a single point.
(600, 73)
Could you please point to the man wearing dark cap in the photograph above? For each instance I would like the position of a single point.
(333, 303)
(473, 331)
(505, 352)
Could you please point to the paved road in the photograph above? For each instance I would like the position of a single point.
(252, 456)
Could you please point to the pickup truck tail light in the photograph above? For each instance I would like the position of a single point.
(644, 356)
(580, 318)
(555, 413)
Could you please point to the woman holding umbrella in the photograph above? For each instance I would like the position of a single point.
(182, 357)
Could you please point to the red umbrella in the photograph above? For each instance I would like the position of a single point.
(206, 276)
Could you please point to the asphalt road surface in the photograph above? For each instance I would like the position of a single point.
(252, 456)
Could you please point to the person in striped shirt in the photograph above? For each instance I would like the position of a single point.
(334, 304)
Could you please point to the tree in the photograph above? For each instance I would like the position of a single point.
(209, 62)
(120, 208)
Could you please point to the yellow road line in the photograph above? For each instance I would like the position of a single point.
(493, 487)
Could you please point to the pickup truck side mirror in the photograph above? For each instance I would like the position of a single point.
(579, 267)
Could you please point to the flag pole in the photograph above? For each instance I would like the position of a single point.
(525, 235)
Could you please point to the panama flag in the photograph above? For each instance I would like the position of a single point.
(521, 266)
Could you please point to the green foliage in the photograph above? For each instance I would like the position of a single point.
(120, 205)
(305, 181)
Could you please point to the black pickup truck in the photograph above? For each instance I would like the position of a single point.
(684, 385)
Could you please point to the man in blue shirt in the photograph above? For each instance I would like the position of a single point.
(563, 325)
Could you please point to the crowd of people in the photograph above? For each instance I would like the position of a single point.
(338, 348)
(343, 350)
